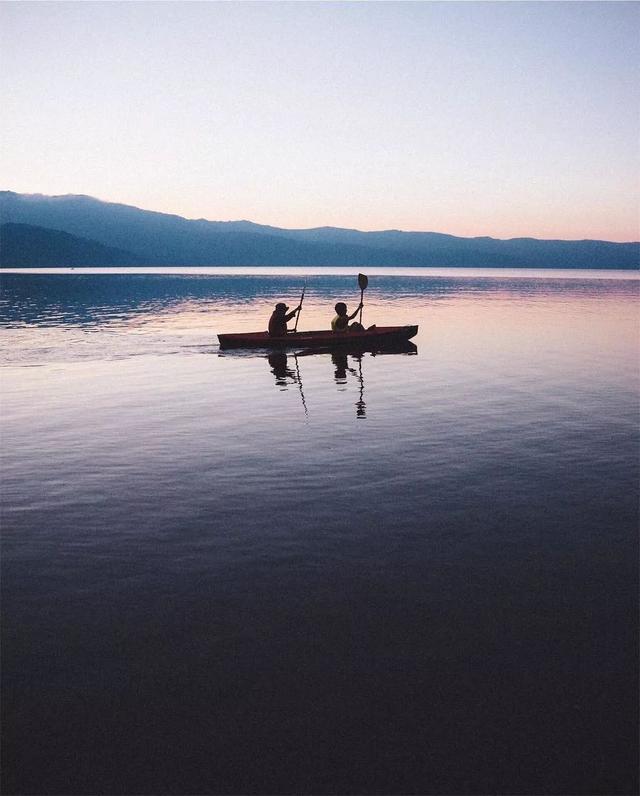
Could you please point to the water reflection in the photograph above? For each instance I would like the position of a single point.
(93, 300)
(272, 599)
(280, 368)
(347, 366)
(340, 360)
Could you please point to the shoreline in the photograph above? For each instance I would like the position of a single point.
(283, 270)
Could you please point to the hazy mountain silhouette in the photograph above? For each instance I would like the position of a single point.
(26, 246)
(161, 239)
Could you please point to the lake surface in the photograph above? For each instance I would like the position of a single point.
(414, 573)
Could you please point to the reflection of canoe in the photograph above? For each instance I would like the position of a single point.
(379, 336)
(390, 347)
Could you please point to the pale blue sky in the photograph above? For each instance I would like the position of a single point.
(502, 119)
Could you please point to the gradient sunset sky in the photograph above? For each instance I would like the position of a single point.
(504, 119)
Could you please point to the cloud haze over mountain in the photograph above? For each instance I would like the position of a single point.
(125, 235)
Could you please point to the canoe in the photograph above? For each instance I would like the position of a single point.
(325, 338)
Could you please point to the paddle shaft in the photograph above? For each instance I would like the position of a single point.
(361, 299)
(295, 328)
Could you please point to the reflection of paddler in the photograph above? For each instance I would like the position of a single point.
(278, 362)
(341, 363)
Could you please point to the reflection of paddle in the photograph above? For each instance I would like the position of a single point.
(295, 328)
(361, 407)
(363, 281)
(304, 403)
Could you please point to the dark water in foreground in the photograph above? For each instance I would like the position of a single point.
(404, 574)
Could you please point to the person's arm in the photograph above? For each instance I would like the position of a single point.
(358, 308)
(290, 315)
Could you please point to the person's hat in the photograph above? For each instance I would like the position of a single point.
(281, 306)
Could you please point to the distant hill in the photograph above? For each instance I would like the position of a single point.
(26, 246)
(163, 239)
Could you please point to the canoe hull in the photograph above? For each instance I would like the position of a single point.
(380, 336)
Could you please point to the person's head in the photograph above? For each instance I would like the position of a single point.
(281, 308)
(341, 308)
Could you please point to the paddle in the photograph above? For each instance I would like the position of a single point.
(363, 281)
(295, 328)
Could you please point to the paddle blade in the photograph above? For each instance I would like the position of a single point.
(363, 281)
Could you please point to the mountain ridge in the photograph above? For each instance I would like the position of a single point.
(155, 238)
(27, 246)
(293, 230)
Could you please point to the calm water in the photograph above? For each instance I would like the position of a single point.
(389, 574)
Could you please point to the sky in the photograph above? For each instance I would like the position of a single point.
(505, 119)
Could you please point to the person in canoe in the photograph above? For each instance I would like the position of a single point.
(279, 318)
(341, 322)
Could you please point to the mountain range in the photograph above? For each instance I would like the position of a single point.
(23, 245)
(39, 230)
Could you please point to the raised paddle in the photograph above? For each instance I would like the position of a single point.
(304, 287)
(363, 281)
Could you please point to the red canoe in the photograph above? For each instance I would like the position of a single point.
(378, 336)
